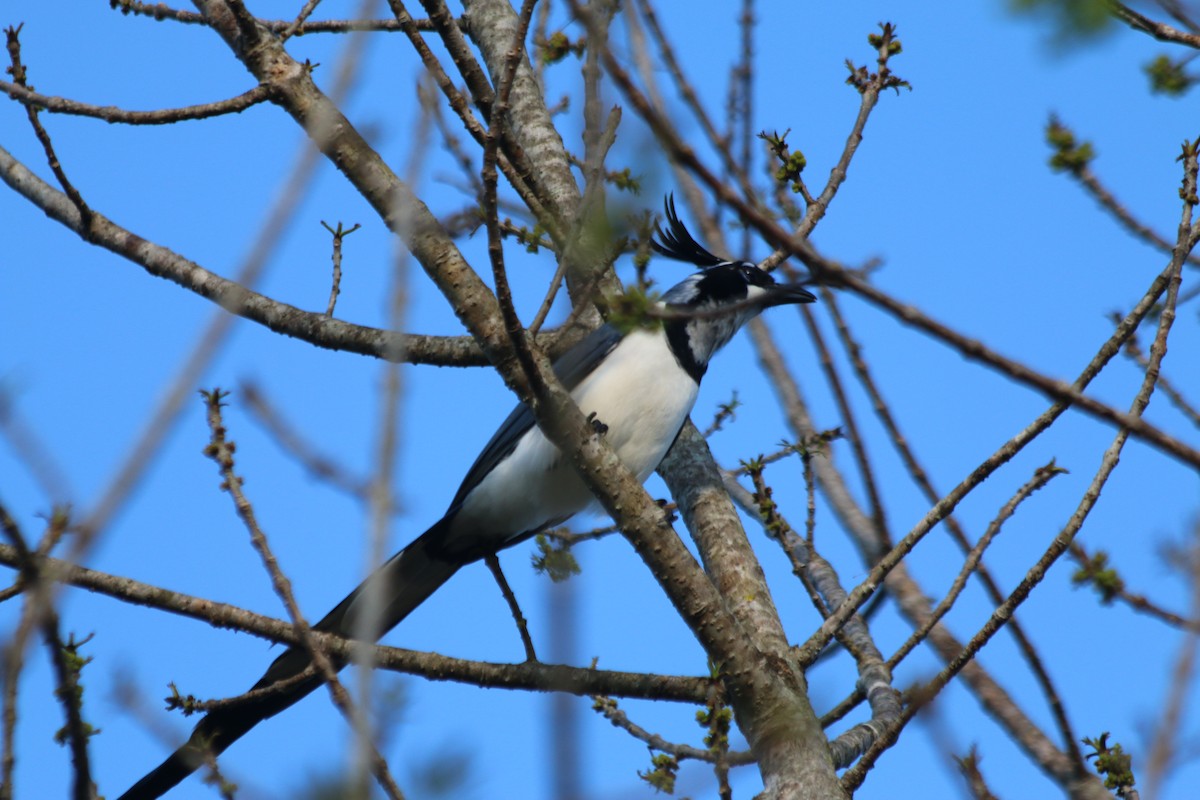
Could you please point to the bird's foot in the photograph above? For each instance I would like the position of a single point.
(599, 427)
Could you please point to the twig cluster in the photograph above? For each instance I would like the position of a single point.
(520, 183)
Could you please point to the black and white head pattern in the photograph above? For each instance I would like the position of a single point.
(739, 286)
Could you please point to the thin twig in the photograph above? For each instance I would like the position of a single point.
(607, 707)
(67, 665)
(305, 12)
(968, 765)
(846, 413)
(161, 11)
(291, 441)
(512, 323)
(592, 197)
(13, 654)
(1134, 350)
(493, 564)
(1088, 180)
(1164, 747)
(12, 35)
(741, 92)
(32, 452)
(1003, 613)
(1040, 478)
(462, 159)
(338, 234)
(1111, 586)
(924, 483)
(220, 450)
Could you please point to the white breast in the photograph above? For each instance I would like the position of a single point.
(639, 392)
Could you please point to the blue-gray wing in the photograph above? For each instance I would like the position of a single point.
(571, 368)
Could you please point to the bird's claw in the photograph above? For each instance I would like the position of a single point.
(599, 427)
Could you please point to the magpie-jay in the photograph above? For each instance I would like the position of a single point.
(640, 385)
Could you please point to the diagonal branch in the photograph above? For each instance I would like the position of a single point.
(308, 326)
(827, 271)
(1159, 30)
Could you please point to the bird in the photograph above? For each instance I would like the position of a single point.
(638, 386)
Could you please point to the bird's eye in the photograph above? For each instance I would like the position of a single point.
(755, 276)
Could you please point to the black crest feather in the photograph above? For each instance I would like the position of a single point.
(677, 242)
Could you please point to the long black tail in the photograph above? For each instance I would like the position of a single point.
(402, 584)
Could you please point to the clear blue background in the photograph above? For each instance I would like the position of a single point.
(950, 189)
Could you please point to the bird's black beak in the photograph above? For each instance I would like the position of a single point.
(782, 294)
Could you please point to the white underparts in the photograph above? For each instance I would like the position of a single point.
(639, 392)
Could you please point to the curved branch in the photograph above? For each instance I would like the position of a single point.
(112, 114)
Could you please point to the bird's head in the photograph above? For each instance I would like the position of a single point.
(719, 299)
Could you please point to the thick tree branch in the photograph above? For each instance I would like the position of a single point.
(393, 200)
(308, 326)
(492, 25)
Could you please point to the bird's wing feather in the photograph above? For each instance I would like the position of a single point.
(570, 368)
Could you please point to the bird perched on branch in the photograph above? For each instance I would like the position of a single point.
(639, 386)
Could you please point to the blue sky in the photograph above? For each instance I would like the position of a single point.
(950, 189)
